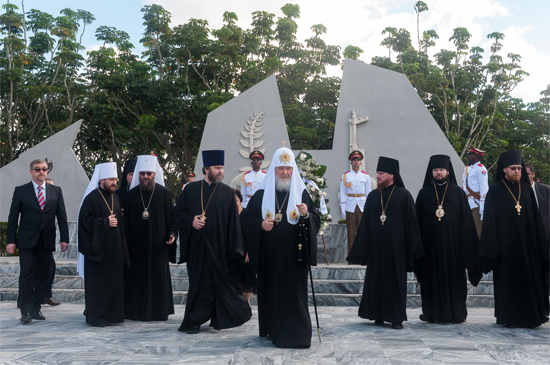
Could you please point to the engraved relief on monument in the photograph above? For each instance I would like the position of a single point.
(253, 127)
(353, 146)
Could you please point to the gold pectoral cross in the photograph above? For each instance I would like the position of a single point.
(518, 208)
(300, 246)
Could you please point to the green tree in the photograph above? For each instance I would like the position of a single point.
(419, 7)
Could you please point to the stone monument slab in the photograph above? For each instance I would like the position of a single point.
(66, 172)
(399, 126)
(253, 120)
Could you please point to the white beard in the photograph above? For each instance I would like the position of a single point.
(282, 185)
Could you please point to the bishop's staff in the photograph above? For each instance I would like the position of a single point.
(304, 242)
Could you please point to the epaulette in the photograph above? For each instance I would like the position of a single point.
(265, 172)
(480, 165)
(248, 172)
(347, 172)
(364, 172)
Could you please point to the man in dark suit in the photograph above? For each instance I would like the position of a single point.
(542, 195)
(35, 206)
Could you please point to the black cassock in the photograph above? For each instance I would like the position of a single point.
(148, 285)
(515, 248)
(283, 312)
(105, 258)
(450, 247)
(122, 195)
(389, 251)
(209, 252)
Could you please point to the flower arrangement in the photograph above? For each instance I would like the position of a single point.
(314, 173)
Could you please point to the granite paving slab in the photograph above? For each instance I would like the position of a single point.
(65, 338)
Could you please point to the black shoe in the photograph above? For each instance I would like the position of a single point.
(426, 319)
(194, 329)
(50, 301)
(26, 318)
(378, 323)
(38, 315)
(397, 325)
(511, 326)
(98, 325)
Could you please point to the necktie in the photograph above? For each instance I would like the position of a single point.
(41, 200)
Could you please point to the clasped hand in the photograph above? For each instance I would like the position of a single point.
(197, 222)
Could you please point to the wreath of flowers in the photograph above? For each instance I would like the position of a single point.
(311, 171)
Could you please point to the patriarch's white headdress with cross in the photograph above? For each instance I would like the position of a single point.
(282, 157)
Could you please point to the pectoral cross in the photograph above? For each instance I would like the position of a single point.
(284, 143)
(518, 208)
(300, 246)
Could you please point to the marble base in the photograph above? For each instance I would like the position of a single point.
(65, 338)
(335, 284)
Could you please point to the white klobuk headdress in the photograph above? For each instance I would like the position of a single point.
(282, 157)
(147, 163)
(102, 171)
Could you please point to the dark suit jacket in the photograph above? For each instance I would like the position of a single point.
(25, 204)
(543, 197)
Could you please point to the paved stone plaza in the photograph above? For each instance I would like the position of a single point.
(64, 338)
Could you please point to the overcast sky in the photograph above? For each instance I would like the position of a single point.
(353, 22)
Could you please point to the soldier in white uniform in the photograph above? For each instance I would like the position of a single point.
(251, 180)
(190, 178)
(355, 185)
(475, 183)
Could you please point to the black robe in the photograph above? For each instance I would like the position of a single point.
(105, 258)
(515, 248)
(283, 312)
(389, 251)
(122, 195)
(148, 285)
(209, 252)
(450, 247)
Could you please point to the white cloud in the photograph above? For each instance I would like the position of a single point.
(360, 23)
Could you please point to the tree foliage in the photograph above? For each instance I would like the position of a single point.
(470, 98)
(159, 101)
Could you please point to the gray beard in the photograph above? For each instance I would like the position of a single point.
(282, 185)
(147, 187)
(214, 179)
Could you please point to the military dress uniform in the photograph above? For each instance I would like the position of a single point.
(191, 174)
(354, 188)
(475, 183)
(250, 183)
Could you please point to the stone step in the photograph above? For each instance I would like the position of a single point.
(182, 284)
(10, 265)
(322, 299)
(335, 284)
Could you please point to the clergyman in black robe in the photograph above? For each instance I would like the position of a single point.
(151, 232)
(542, 196)
(276, 221)
(450, 243)
(389, 243)
(210, 242)
(514, 246)
(102, 241)
(127, 176)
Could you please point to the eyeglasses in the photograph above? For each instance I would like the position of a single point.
(43, 169)
(515, 168)
(143, 173)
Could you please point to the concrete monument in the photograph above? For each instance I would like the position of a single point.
(256, 115)
(65, 171)
(399, 126)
